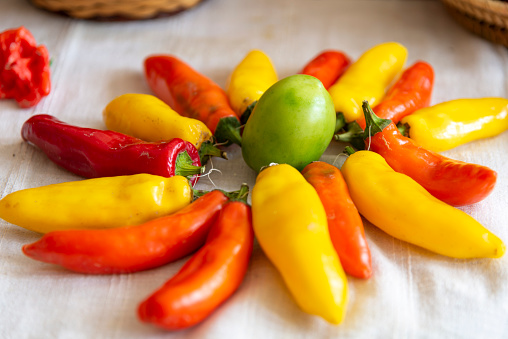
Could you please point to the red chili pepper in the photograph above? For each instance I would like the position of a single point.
(95, 153)
(24, 68)
(455, 182)
(132, 248)
(344, 222)
(327, 66)
(193, 95)
(209, 277)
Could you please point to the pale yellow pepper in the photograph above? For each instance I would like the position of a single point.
(367, 79)
(96, 203)
(148, 118)
(453, 123)
(402, 208)
(249, 80)
(290, 224)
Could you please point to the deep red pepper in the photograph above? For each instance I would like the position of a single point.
(24, 68)
(132, 248)
(455, 182)
(193, 95)
(210, 276)
(327, 66)
(95, 153)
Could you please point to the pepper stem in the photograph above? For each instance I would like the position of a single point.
(349, 150)
(238, 195)
(208, 150)
(354, 135)
(248, 111)
(228, 130)
(340, 122)
(184, 166)
(373, 123)
(404, 129)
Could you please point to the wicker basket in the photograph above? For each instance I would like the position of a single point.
(115, 9)
(486, 18)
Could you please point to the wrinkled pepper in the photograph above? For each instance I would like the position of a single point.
(401, 207)
(96, 203)
(248, 81)
(455, 182)
(327, 66)
(93, 153)
(209, 277)
(24, 68)
(367, 79)
(291, 226)
(193, 95)
(132, 248)
(453, 123)
(148, 118)
(344, 222)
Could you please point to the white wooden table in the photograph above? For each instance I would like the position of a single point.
(412, 293)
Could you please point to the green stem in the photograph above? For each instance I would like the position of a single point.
(184, 166)
(208, 150)
(340, 122)
(246, 114)
(404, 129)
(349, 150)
(373, 123)
(228, 131)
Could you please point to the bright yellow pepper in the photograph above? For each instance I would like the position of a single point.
(290, 224)
(96, 203)
(453, 123)
(401, 207)
(148, 118)
(249, 80)
(367, 79)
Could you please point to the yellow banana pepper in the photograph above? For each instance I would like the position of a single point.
(290, 224)
(249, 80)
(453, 123)
(401, 207)
(96, 203)
(367, 79)
(148, 118)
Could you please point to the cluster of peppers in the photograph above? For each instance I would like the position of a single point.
(308, 223)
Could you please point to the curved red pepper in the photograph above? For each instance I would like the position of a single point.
(192, 95)
(455, 182)
(327, 66)
(133, 248)
(344, 222)
(209, 277)
(95, 153)
(24, 68)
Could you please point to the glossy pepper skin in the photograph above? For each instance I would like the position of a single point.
(367, 79)
(401, 207)
(249, 80)
(193, 95)
(290, 224)
(344, 222)
(450, 124)
(210, 276)
(132, 248)
(96, 203)
(455, 182)
(327, 66)
(24, 68)
(148, 118)
(93, 153)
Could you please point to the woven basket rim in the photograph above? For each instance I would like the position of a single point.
(498, 8)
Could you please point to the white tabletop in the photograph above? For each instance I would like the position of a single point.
(412, 293)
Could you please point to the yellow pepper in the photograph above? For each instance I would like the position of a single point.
(96, 203)
(148, 118)
(367, 79)
(401, 207)
(290, 224)
(453, 123)
(249, 80)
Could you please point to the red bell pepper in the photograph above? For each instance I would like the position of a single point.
(24, 68)
(95, 153)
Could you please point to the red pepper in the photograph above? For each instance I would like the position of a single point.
(455, 182)
(24, 68)
(193, 95)
(95, 153)
(209, 277)
(344, 222)
(327, 66)
(132, 248)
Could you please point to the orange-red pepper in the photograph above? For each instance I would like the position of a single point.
(327, 66)
(210, 276)
(133, 248)
(344, 222)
